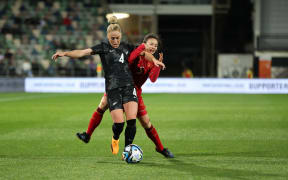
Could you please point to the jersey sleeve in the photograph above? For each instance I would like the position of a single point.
(98, 49)
(154, 73)
(135, 53)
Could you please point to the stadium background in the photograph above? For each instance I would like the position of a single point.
(201, 38)
(225, 46)
(194, 33)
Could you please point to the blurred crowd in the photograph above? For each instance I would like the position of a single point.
(31, 31)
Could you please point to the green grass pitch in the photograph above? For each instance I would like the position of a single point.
(213, 136)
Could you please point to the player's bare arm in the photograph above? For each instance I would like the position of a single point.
(73, 54)
(157, 63)
(155, 71)
(161, 57)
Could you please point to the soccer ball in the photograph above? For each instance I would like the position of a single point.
(132, 154)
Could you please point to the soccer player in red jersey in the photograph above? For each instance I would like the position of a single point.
(141, 70)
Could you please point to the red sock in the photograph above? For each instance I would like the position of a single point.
(153, 135)
(95, 121)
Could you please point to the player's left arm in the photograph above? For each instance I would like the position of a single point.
(150, 57)
(155, 71)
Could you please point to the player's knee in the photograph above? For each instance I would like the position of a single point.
(103, 104)
(145, 123)
(131, 115)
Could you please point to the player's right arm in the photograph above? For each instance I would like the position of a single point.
(136, 52)
(73, 54)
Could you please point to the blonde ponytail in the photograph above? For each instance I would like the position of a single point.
(114, 26)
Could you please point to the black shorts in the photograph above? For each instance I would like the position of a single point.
(119, 96)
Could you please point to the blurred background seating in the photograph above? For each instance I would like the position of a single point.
(32, 31)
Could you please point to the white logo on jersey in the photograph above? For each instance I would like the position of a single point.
(111, 50)
(121, 58)
(126, 52)
(114, 103)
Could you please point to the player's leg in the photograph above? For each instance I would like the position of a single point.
(150, 129)
(153, 135)
(97, 115)
(146, 124)
(130, 104)
(117, 128)
(95, 120)
(130, 131)
(116, 111)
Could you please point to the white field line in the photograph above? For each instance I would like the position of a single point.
(20, 98)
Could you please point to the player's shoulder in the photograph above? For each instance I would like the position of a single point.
(123, 44)
(126, 45)
(101, 44)
(104, 45)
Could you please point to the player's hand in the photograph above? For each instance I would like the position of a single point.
(58, 54)
(146, 47)
(161, 57)
(158, 63)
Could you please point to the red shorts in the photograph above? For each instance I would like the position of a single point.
(141, 106)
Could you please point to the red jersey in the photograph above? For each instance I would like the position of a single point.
(141, 68)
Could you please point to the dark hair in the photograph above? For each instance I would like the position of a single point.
(149, 36)
(154, 36)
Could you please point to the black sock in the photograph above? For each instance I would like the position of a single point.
(130, 131)
(117, 129)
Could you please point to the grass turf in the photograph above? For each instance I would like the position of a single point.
(212, 136)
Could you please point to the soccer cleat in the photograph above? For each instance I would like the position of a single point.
(115, 146)
(83, 137)
(165, 152)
